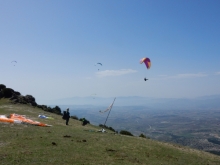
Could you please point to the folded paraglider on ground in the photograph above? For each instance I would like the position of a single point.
(44, 117)
(21, 119)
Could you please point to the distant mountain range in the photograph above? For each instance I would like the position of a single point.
(205, 102)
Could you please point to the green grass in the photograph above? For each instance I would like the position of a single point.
(27, 144)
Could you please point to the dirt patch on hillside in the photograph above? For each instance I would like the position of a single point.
(3, 144)
(8, 107)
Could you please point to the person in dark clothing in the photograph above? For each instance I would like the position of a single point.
(67, 116)
(84, 122)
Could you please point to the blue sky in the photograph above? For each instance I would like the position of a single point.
(57, 43)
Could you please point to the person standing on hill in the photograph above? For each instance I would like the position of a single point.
(67, 116)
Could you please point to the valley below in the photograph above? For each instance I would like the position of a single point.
(197, 128)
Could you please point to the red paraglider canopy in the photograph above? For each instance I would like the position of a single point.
(146, 61)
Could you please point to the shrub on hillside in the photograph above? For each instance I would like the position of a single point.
(2, 86)
(49, 109)
(44, 107)
(123, 132)
(1, 94)
(22, 100)
(17, 93)
(7, 92)
(111, 129)
(104, 126)
(30, 99)
(84, 121)
(56, 110)
(142, 135)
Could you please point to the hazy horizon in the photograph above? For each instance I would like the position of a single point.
(205, 102)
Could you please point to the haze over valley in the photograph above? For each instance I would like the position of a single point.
(188, 122)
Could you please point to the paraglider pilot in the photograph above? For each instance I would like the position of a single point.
(67, 116)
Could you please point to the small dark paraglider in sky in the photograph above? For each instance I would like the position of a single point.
(14, 62)
(98, 64)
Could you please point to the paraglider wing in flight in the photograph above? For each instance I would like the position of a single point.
(99, 64)
(13, 62)
(107, 108)
(146, 61)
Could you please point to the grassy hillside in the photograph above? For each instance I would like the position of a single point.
(76, 144)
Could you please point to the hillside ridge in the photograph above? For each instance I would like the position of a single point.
(77, 144)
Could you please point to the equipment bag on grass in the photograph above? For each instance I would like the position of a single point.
(64, 115)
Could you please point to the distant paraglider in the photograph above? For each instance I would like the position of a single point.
(93, 96)
(14, 62)
(147, 62)
(98, 64)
